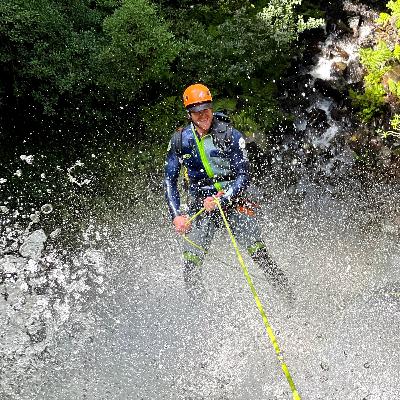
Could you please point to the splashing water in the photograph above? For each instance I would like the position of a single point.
(111, 319)
(139, 335)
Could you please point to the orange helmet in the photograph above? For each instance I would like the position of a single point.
(197, 97)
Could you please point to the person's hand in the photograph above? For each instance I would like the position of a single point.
(210, 203)
(182, 224)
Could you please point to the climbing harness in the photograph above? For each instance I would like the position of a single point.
(204, 159)
(197, 246)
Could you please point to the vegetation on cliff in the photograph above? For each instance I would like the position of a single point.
(379, 102)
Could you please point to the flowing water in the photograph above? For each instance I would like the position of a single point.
(143, 338)
(114, 320)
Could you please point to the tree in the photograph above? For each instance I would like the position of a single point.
(138, 48)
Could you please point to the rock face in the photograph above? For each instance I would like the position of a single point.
(319, 95)
(338, 68)
(33, 245)
(317, 118)
(355, 72)
(392, 75)
(41, 295)
(10, 265)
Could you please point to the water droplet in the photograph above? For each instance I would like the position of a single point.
(46, 208)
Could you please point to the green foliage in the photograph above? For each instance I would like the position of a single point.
(396, 52)
(244, 122)
(382, 64)
(376, 59)
(44, 54)
(281, 17)
(138, 48)
(377, 62)
(79, 67)
(224, 53)
(394, 88)
(241, 48)
(312, 9)
(383, 19)
(370, 102)
(226, 105)
(394, 132)
(85, 73)
(394, 6)
(241, 56)
(162, 118)
(395, 122)
(261, 105)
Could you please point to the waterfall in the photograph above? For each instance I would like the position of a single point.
(318, 98)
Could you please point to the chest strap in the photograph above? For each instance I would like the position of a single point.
(204, 159)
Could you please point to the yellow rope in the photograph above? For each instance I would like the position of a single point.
(194, 244)
(195, 215)
(270, 332)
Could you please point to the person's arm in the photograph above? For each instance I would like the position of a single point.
(171, 175)
(172, 168)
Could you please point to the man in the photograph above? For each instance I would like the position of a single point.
(216, 163)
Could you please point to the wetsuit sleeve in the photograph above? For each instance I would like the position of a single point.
(240, 167)
(171, 175)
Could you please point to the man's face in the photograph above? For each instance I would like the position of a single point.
(202, 119)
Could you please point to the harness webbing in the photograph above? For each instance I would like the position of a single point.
(204, 159)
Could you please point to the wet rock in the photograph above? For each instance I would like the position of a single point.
(341, 28)
(36, 331)
(359, 10)
(355, 72)
(339, 113)
(11, 265)
(325, 88)
(55, 233)
(317, 118)
(324, 366)
(4, 307)
(14, 341)
(331, 89)
(296, 92)
(338, 68)
(385, 156)
(354, 24)
(46, 208)
(376, 143)
(4, 210)
(32, 268)
(392, 75)
(337, 51)
(33, 245)
(367, 41)
(35, 217)
(14, 294)
(39, 285)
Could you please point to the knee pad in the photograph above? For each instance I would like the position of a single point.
(192, 258)
(256, 249)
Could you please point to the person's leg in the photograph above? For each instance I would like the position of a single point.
(195, 247)
(248, 235)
